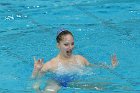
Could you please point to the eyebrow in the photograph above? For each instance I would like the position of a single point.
(68, 42)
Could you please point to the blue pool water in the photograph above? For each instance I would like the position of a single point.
(100, 27)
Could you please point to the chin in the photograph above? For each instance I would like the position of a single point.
(68, 56)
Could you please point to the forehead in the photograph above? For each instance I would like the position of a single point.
(68, 37)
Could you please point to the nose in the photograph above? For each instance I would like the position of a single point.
(71, 47)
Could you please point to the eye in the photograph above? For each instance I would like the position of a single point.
(72, 43)
(66, 44)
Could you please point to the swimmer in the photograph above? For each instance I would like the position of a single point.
(63, 65)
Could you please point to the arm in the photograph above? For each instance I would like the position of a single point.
(114, 63)
(83, 60)
(38, 71)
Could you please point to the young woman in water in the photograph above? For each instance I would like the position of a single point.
(63, 65)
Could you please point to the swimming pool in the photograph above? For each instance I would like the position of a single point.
(101, 28)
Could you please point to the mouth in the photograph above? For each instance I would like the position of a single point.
(69, 52)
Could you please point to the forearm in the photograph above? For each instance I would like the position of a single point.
(104, 65)
(35, 73)
(114, 63)
(101, 65)
(37, 77)
(36, 85)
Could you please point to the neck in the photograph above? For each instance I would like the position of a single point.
(63, 57)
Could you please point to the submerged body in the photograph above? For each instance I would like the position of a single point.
(64, 72)
(64, 66)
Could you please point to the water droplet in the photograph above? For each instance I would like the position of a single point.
(27, 25)
(9, 18)
(25, 16)
(79, 29)
(18, 15)
(37, 6)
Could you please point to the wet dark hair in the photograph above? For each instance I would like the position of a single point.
(61, 34)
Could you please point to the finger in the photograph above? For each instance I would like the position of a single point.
(42, 60)
(112, 56)
(34, 59)
(39, 61)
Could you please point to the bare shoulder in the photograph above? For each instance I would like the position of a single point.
(49, 64)
(83, 59)
(80, 56)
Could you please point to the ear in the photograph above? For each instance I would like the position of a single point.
(58, 46)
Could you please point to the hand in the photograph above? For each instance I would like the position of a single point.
(114, 61)
(38, 64)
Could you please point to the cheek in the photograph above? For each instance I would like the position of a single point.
(72, 47)
(64, 48)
